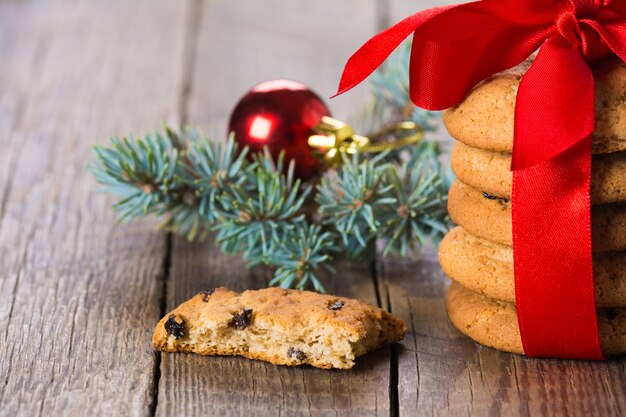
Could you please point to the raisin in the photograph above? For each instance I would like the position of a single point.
(297, 354)
(493, 197)
(242, 320)
(175, 326)
(611, 313)
(336, 305)
(207, 294)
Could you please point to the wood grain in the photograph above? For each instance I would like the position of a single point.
(442, 373)
(78, 294)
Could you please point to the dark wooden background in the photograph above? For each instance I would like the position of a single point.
(79, 294)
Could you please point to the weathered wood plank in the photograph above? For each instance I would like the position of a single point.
(237, 48)
(441, 372)
(78, 294)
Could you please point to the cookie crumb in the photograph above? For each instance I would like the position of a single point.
(242, 320)
(297, 354)
(336, 305)
(175, 326)
(207, 294)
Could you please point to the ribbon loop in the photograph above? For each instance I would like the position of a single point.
(575, 22)
(551, 115)
(585, 7)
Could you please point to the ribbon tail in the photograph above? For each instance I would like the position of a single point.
(553, 264)
(555, 104)
(374, 52)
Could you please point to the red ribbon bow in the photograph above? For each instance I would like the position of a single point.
(454, 48)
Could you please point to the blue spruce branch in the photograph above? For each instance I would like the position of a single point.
(256, 207)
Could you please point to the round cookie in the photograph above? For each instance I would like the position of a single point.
(494, 323)
(484, 119)
(489, 171)
(490, 218)
(487, 268)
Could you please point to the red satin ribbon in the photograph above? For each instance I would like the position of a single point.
(454, 48)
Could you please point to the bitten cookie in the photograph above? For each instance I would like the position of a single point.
(284, 327)
(489, 172)
(489, 217)
(484, 119)
(487, 268)
(494, 323)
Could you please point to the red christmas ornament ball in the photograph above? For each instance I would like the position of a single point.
(280, 114)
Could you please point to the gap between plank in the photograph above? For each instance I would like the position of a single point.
(383, 14)
(188, 62)
(394, 402)
(156, 372)
(189, 58)
(383, 21)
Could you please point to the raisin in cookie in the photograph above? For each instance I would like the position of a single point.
(489, 217)
(284, 327)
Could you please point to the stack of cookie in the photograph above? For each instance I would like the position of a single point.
(478, 253)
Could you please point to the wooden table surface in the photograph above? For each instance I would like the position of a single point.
(79, 294)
